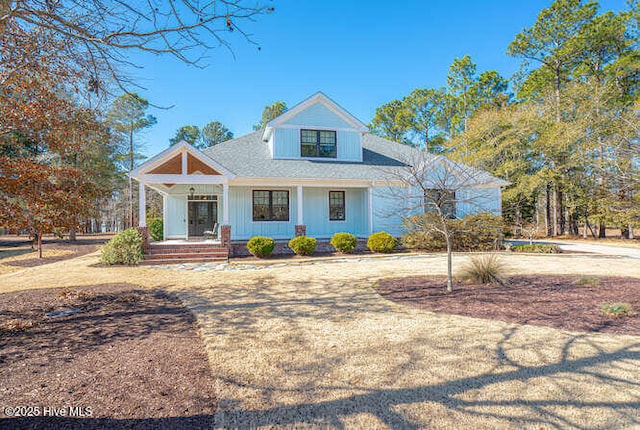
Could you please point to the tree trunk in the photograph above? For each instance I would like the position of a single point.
(547, 219)
(39, 244)
(602, 231)
(631, 235)
(555, 208)
(72, 236)
(449, 265)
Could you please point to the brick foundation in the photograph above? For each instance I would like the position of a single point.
(146, 239)
(239, 249)
(301, 230)
(225, 235)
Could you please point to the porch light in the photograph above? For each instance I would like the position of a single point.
(191, 191)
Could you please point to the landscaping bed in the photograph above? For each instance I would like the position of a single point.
(18, 252)
(564, 302)
(133, 356)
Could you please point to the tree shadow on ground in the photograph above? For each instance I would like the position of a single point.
(570, 367)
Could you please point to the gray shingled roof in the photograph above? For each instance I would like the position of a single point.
(248, 156)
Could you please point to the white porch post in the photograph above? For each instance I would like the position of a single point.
(165, 222)
(299, 198)
(142, 209)
(370, 207)
(225, 203)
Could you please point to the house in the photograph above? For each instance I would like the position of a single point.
(314, 170)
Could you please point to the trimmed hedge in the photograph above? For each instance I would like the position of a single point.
(537, 248)
(344, 242)
(124, 248)
(261, 246)
(156, 229)
(479, 232)
(303, 245)
(381, 242)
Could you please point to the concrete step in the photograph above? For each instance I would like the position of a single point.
(184, 260)
(186, 255)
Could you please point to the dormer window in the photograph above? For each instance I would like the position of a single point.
(318, 143)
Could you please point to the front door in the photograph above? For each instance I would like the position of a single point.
(202, 217)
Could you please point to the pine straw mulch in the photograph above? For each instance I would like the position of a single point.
(134, 356)
(565, 302)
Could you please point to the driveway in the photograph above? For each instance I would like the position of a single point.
(314, 346)
(589, 247)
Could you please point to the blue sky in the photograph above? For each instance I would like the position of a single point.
(360, 53)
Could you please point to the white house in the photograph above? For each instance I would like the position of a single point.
(314, 170)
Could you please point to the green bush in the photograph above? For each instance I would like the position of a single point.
(381, 242)
(479, 232)
(303, 245)
(590, 281)
(344, 242)
(261, 246)
(537, 248)
(124, 248)
(156, 229)
(483, 269)
(617, 309)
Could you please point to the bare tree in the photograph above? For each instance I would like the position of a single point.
(435, 185)
(101, 31)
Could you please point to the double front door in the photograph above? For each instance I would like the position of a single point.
(202, 217)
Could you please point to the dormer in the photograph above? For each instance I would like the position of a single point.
(315, 129)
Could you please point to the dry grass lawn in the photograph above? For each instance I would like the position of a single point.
(11, 258)
(314, 346)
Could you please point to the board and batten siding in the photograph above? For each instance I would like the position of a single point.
(316, 212)
(318, 115)
(285, 141)
(476, 200)
(241, 215)
(387, 209)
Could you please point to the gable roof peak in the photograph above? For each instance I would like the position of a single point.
(317, 97)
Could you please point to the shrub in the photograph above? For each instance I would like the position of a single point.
(484, 269)
(156, 229)
(303, 245)
(479, 232)
(124, 248)
(617, 309)
(591, 281)
(537, 248)
(381, 242)
(344, 242)
(261, 246)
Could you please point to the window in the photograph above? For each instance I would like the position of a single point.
(443, 199)
(270, 205)
(318, 143)
(336, 206)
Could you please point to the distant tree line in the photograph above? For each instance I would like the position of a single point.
(564, 131)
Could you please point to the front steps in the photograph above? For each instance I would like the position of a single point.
(185, 253)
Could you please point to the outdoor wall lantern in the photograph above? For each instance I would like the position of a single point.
(191, 191)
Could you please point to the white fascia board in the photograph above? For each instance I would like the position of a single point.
(181, 179)
(174, 150)
(306, 182)
(320, 97)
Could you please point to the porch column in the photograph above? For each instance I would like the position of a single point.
(370, 207)
(142, 209)
(299, 198)
(225, 204)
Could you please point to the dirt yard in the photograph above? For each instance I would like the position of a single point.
(133, 356)
(19, 252)
(565, 302)
(310, 345)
